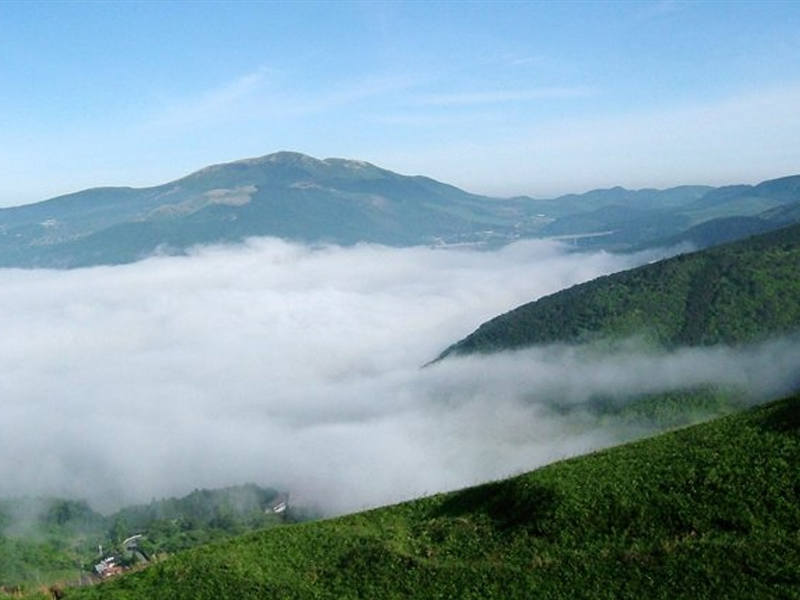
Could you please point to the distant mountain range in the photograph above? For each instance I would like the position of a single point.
(296, 197)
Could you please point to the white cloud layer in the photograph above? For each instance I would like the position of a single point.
(300, 368)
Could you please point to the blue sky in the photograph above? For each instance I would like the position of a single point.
(498, 98)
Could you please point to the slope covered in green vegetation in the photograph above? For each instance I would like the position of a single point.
(710, 511)
(738, 292)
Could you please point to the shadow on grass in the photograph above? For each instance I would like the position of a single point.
(510, 504)
(785, 416)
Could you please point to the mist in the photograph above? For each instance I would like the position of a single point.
(300, 368)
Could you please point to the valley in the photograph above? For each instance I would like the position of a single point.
(399, 300)
(310, 345)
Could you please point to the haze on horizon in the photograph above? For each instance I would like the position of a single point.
(501, 98)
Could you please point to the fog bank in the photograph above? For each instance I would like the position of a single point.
(299, 368)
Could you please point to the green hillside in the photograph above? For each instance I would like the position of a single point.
(738, 292)
(710, 511)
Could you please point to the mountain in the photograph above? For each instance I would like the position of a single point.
(297, 197)
(727, 229)
(709, 511)
(622, 220)
(287, 195)
(733, 293)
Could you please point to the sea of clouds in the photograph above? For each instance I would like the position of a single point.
(301, 368)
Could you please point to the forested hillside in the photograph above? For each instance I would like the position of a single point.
(739, 292)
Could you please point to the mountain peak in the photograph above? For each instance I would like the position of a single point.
(283, 158)
(294, 164)
(297, 159)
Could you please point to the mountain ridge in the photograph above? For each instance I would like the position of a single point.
(343, 201)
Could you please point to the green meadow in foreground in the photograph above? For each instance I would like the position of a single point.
(709, 511)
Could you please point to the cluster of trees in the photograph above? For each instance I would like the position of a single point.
(43, 540)
(203, 516)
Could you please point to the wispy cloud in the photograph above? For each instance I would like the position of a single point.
(223, 103)
(526, 61)
(505, 96)
(661, 8)
(352, 92)
(264, 96)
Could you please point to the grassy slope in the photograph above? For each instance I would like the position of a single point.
(711, 511)
(732, 293)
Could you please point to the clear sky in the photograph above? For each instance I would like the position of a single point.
(509, 98)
